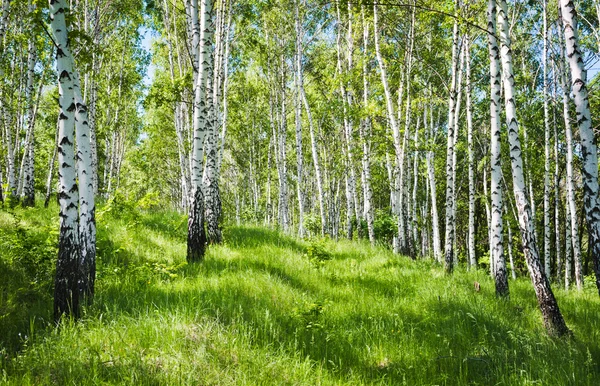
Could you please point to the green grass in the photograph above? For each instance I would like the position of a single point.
(269, 309)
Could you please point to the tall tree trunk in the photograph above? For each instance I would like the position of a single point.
(365, 134)
(586, 133)
(450, 194)
(568, 247)
(298, 116)
(66, 291)
(497, 247)
(196, 240)
(553, 320)
(28, 192)
(87, 202)
(570, 201)
(437, 244)
(211, 171)
(557, 242)
(547, 264)
(471, 238)
(393, 123)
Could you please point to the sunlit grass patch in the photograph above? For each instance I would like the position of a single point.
(267, 308)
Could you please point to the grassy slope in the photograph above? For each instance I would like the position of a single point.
(259, 311)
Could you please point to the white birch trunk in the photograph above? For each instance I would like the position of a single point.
(586, 133)
(546, 146)
(553, 320)
(437, 244)
(471, 160)
(496, 243)
(87, 204)
(391, 113)
(298, 116)
(66, 291)
(557, 231)
(568, 248)
(196, 241)
(572, 219)
(450, 194)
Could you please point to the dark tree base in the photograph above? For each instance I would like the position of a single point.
(196, 242)
(212, 211)
(66, 286)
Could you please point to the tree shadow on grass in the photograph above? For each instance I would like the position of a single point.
(251, 237)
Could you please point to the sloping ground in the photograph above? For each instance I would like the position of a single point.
(268, 309)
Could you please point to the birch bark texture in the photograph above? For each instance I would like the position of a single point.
(586, 133)
(553, 320)
(450, 194)
(497, 246)
(196, 240)
(66, 285)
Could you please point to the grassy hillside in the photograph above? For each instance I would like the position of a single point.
(269, 309)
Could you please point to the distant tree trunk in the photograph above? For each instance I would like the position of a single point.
(4, 13)
(568, 247)
(282, 153)
(298, 115)
(553, 320)
(510, 247)
(51, 168)
(547, 264)
(437, 244)
(393, 123)
(572, 220)
(557, 232)
(586, 133)
(365, 134)
(497, 247)
(450, 194)
(66, 291)
(28, 193)
(471, 166)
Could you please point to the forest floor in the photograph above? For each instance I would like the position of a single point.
(268, 309)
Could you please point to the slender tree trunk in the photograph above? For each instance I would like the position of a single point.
(437, 244)
(450, 194)
(27, 193)
(298, 115)
(391, 113)
(586, 133)
(572, 220)
(547, 265)
(51, 167)
(471, 238)
(510, 246)
(365, 134)
(66, 291)
(557, 232)
(497, 247)
(568, 247)
(553, 319)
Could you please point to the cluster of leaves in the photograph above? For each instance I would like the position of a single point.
(317, 253)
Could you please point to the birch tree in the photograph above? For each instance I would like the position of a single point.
(496, 244)
(450, 151)
(553, 319)
(196, 240)
(586, 133)
(66, 283)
